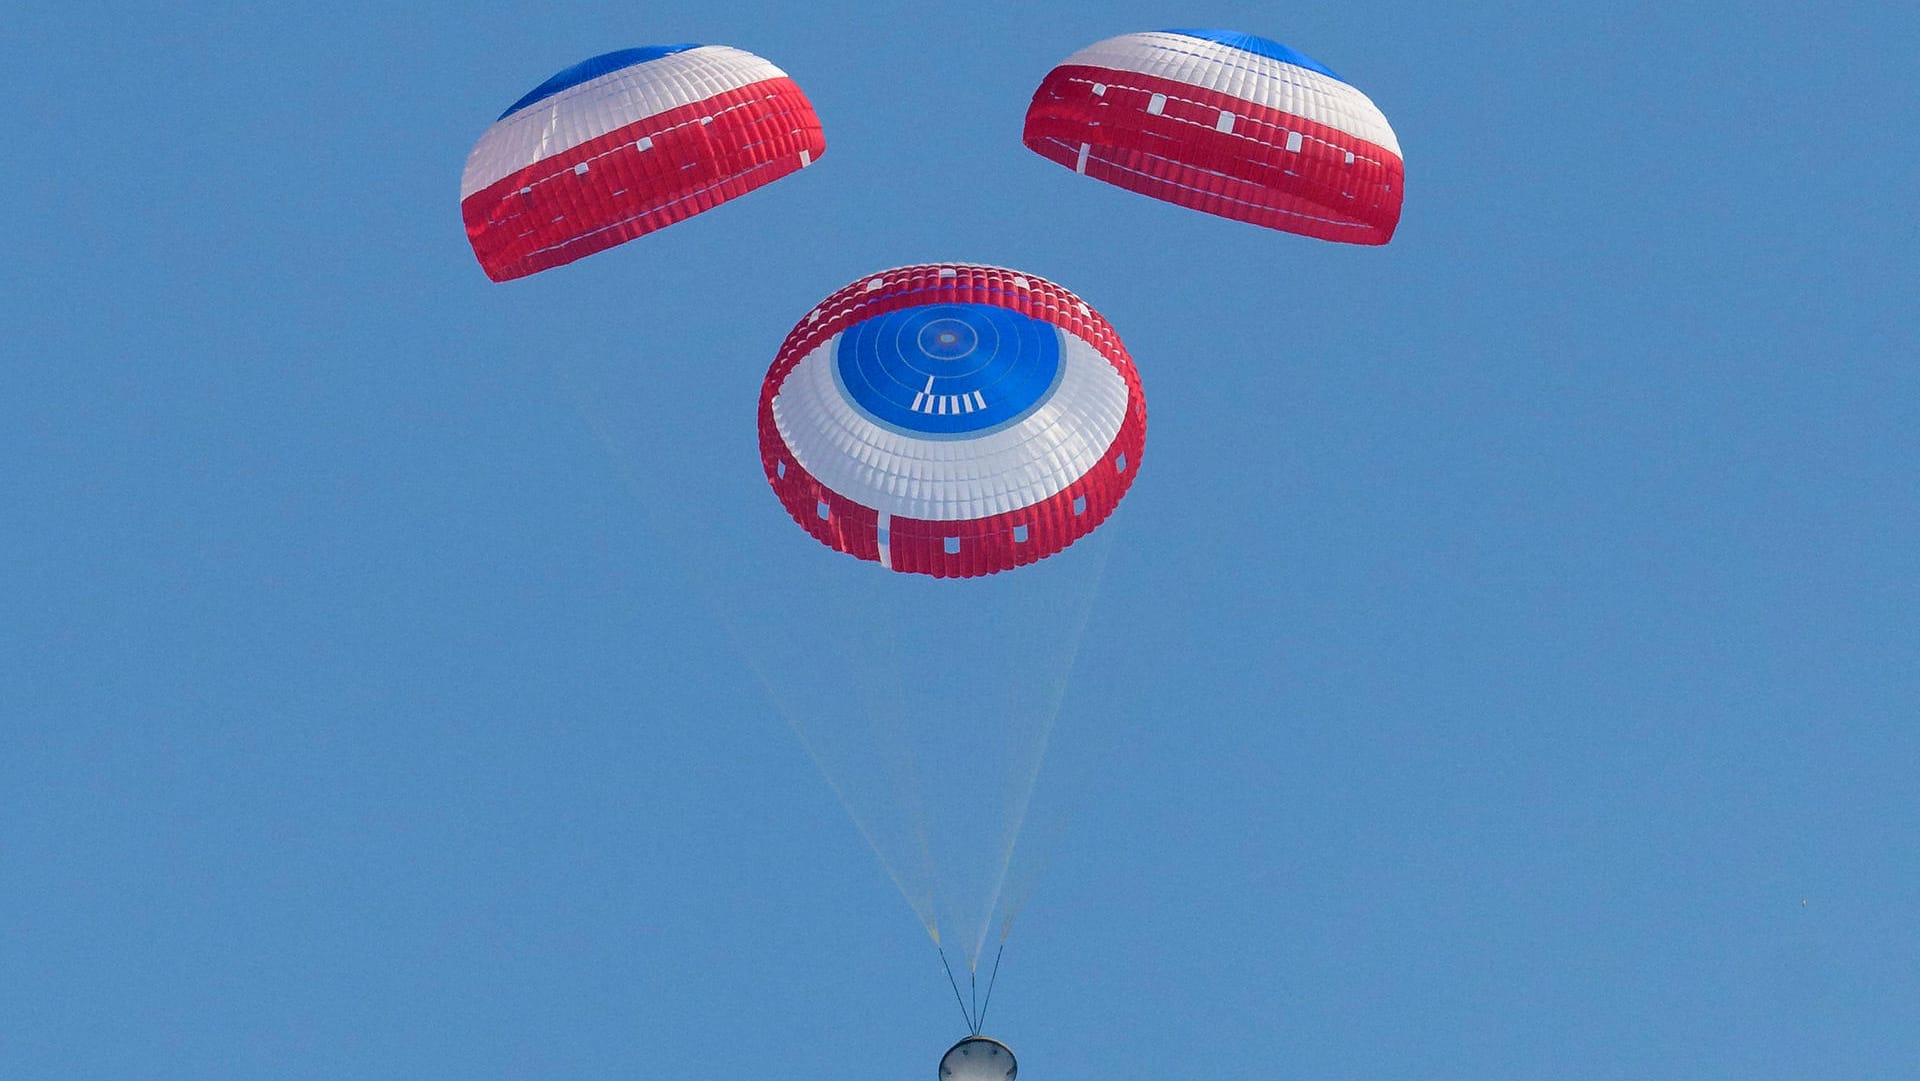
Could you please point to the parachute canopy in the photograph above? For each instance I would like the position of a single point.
(951, 420)
(1227, 123)
(626, 143)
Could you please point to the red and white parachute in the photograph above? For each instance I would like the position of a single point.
(951, 420)
(1227, 123)
(626, 143)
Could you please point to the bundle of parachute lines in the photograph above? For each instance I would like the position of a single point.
(941, 419)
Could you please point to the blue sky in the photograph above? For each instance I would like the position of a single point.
(1503, 667)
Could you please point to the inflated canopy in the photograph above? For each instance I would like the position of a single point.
(951, 420)
(626, 143)
(1227, 123)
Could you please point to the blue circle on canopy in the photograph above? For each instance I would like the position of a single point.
(1260, 46)
(948, 370)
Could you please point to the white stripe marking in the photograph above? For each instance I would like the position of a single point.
(1078, 166)
(582, 113)
(1224, 125)
(1264, 81)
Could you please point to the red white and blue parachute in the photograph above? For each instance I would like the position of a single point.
(626, 143)
(951, 420)
(1227, 123)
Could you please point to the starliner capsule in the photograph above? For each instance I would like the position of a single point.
(951, 420)
(978, 1058)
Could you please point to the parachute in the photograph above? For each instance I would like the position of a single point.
(626, 143)
(944, 421)
(951, 420)
(1226, 123)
